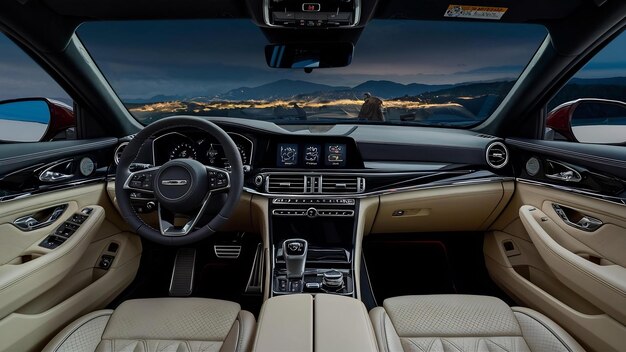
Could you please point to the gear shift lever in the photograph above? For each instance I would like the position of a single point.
(294, 252)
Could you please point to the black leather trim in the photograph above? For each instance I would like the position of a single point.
(15, 156)
(606, 158)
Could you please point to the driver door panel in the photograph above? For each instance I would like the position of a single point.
(42, 288)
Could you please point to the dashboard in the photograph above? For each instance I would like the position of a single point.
(336, 159)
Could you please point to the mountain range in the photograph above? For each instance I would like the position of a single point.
(301, 90)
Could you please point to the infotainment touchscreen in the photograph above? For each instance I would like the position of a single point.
(312, 154)
(287, 155)
(335, 155)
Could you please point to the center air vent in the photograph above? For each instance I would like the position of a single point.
(118, 152)
(285, 183)
(497, 155)
(342, 184)
(314, 184)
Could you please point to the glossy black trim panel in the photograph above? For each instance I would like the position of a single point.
(607, 158)
(16, 156)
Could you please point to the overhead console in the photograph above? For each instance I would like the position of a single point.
(312, 14)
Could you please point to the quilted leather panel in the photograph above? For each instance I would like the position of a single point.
(465, 344)
(184, 319)
(539, 338)
(158, 346)
(451, 315)
(86, 337)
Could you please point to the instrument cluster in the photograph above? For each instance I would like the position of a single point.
(199, 146)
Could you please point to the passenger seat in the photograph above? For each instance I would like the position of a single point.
(463, 323)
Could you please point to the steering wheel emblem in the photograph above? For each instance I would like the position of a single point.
(174, 182)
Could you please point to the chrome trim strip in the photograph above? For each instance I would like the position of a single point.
(431, 185)
(611, 199)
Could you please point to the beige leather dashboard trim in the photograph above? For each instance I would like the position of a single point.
(285, 324)
(342, 324)
(603, 285)
(442, 209)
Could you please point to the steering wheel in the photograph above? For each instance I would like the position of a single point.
(181, 186)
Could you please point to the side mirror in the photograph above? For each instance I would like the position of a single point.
(590, 121)
(34, 120)
(309, 56)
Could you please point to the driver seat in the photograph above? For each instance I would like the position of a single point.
(160, 324)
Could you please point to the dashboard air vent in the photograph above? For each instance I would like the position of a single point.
(342, 184)
(497, 155)
(285, 183)
(118, 152)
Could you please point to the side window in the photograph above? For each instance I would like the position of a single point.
(591, 107)
(32, 105)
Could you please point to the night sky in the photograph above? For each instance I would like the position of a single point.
(142, 59)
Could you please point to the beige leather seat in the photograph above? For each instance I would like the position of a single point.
(463, 323)
(160, 324)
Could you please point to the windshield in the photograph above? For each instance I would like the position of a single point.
(402, 72)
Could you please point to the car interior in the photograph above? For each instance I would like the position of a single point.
(170, 202)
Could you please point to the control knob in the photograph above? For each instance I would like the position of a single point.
(332, 280)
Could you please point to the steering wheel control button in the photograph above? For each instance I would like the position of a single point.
(142, 181)
(217, 179)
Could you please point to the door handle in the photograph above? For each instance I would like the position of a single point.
(577, 220)
(57, 171)
(562, 172)
(40, 219)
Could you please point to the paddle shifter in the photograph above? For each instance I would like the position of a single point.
(294, 252)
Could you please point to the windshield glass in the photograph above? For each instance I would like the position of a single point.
(402, 72)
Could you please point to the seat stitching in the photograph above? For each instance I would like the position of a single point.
(416, 345)
(432, 342)
(547, 328)
(168, 345)
(453, 344)
(497, 344)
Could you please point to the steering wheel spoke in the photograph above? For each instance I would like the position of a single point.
(167, 220)
(142, 180)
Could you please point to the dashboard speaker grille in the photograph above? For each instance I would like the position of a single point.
(497, 155)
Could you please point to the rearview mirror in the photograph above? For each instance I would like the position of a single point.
(309, 56)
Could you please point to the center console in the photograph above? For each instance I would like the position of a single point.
(313, 245)
(305, 323)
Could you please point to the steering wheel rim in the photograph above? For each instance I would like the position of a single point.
(234, 183)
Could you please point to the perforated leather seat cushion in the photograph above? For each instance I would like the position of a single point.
(160, 324)
(462, 323)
